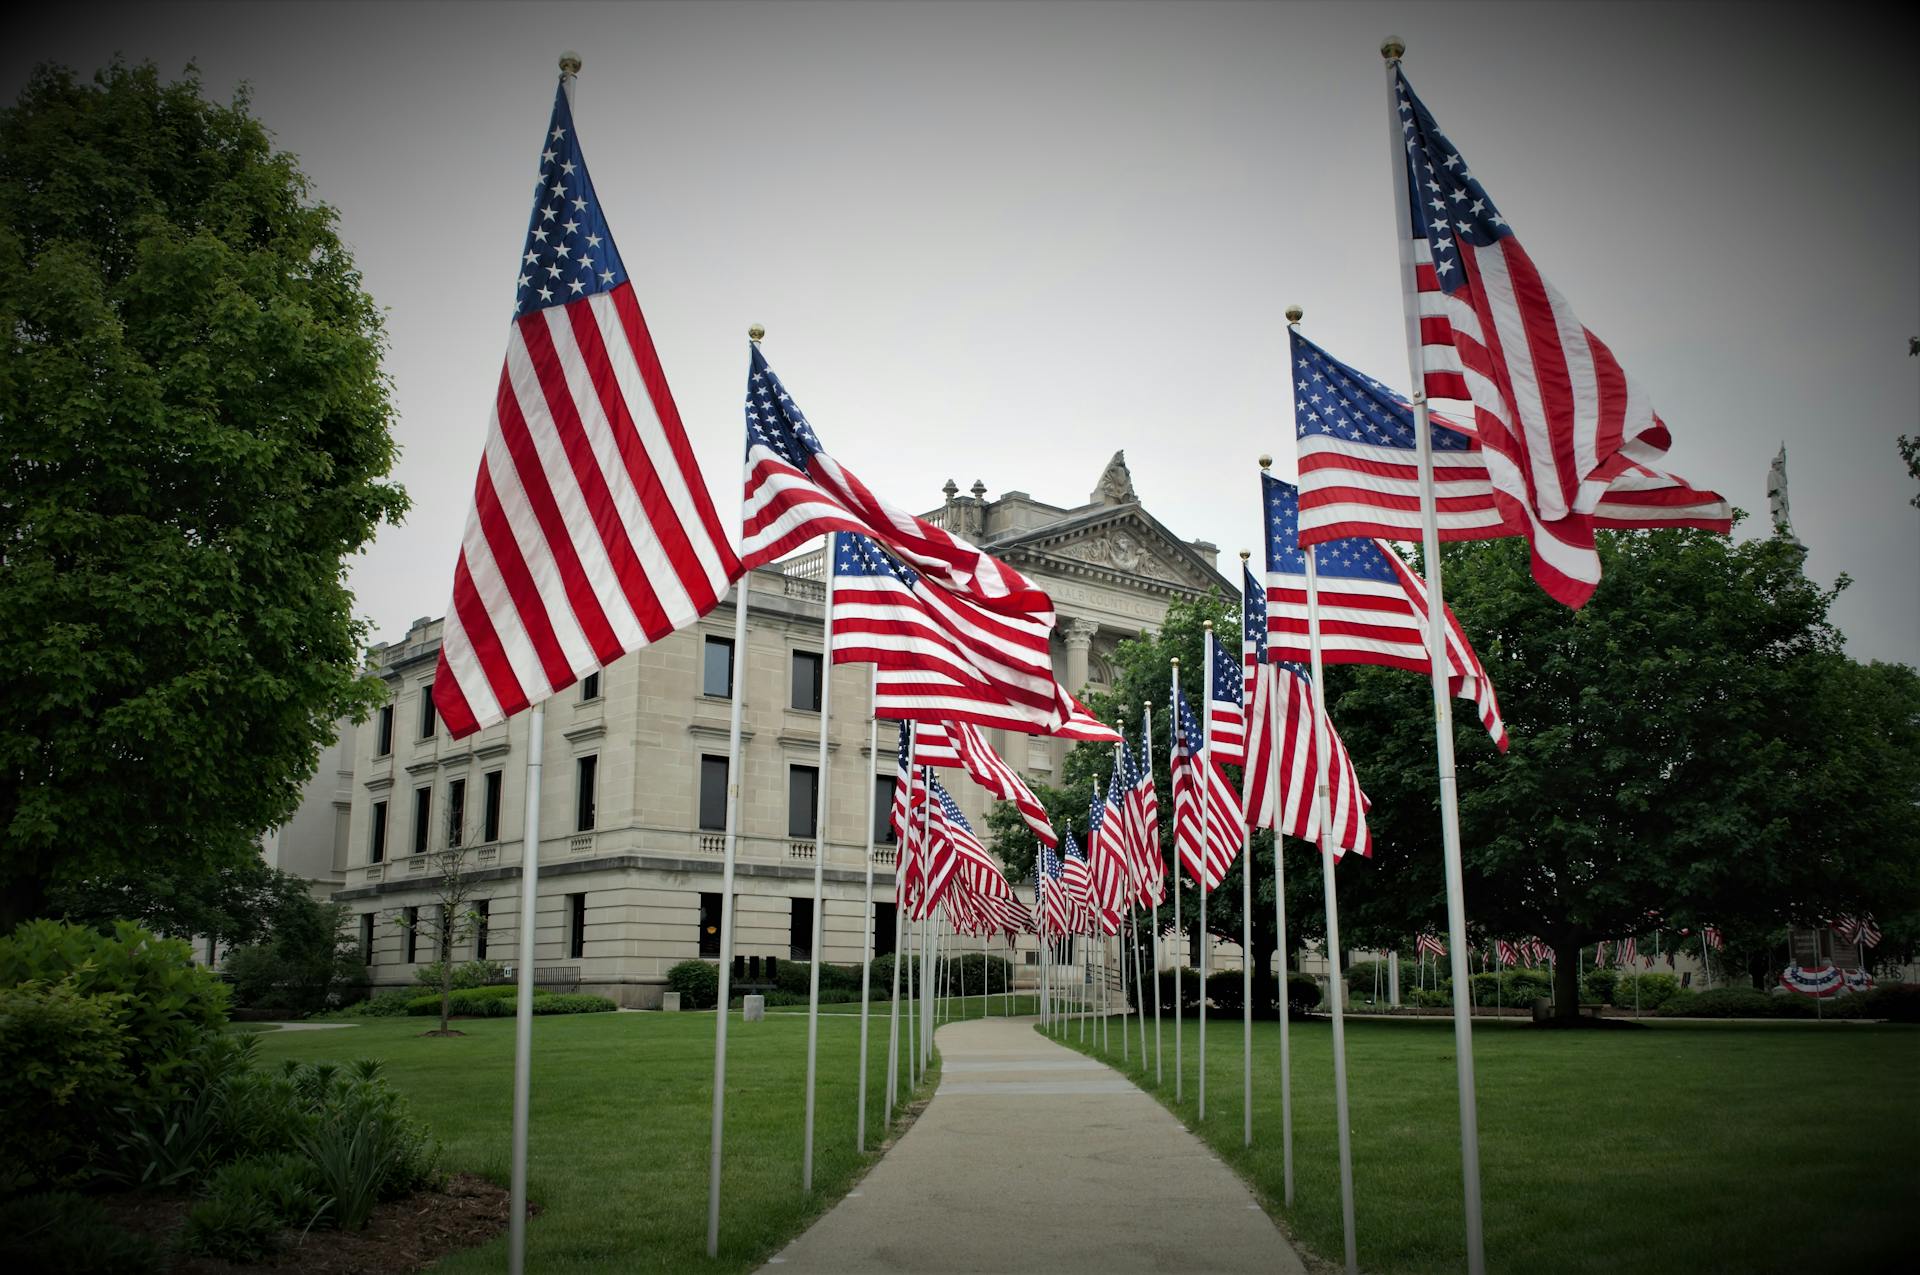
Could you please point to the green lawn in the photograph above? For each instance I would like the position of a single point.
(620, 1122)
(1680, 1147)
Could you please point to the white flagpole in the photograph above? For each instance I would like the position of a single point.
(822, 829)
(1179, 1002)
(1391, 50)
(1206, 833)
(1246, 982)
(728, 858)
(1153, 942)
(866, 929)
(523, 1012)
(1323, 818)
(902, 842)
(1280, 927)
(983, 972)
(910, 954)
(928, 973)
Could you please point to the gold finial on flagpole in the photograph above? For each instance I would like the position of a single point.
(756, 334)
(1176, 660)
(569, 64)
(1208, 626)
(1294, 315)
(1245, 554)
(1393, 48)
(1266, 462)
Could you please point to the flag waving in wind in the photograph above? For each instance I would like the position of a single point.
(591, 533)
(1555, 413)
(1193, 784)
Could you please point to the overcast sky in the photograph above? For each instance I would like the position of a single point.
(999, 241)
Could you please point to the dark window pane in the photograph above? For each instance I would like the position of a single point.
(800, 930)
(456, 812)
(590, 686)
(577, 926)
(713, 794)
(883, 786)
(427, 717)
(366, 938)
(412, 928)
(585, 769)
(422, 819)
(383, 743)
(803, 794)
(481, 920)
(491, 831)
(377, 851)
(883, 923)
(709, 925)
(806, 681)
(716, 669)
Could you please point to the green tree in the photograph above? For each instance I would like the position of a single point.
(1692, 747)
(197, 437)
(233, 904)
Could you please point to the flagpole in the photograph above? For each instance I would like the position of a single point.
(523, 1011)
(823, 828)
(1280, 929)
(1392, 50)
(731, 851)
(1179, 1002)
(1323, 818)
(902, 846)
(1246, 908)
(911, 953)
(1206, 833)
(866, 929)
(1153, 941)
(927, 972)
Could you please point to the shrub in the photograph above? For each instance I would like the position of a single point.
(468, 1000)
(1225, 989)
(389, 1004)
(1360, 980)
(62, 1063)
(1655, 990)
(235, 1227)
(465, 974)
(1428, 997)
(169, 1139)
(573, 1003)
(66, 1232)
(285, 1184)
(167, 1004)
(1189, 989)
(1720, 1002)
(1304, 993)
(1598, 985)
(305, 966)
(698, 983)
(1895, 1002)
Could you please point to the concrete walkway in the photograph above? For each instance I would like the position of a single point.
(1034, 1158)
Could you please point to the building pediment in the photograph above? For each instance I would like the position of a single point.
(1122, 544)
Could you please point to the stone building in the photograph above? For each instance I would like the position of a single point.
(635, 764)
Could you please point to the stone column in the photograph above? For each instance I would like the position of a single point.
(1079, 639)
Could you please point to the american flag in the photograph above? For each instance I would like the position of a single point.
(1600, 951)
(994, 913)
(1556, 414)
(1226, 705)
(1222, 815)
(940, 656)
(960, 744)
(591, 532)
(1256, 780)
(1076, 882)
(1049, 894)
(1712, 934)
(1107, 855)
(795, 492)
(1373, 608)
(1360, 476)
(1509, 954)
(1121, 829)
(1627, 948)
(979, 870)
(1429, 945)
(1143, 813)
(1299, 770)
(1077, 723)
(937, 859)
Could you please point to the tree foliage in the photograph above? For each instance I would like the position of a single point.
(197, 437)
(235, 904)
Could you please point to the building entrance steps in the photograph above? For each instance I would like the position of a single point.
(1034, 1158)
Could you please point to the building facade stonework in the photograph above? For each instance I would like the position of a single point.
(634, 765)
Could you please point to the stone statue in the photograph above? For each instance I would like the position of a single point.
(1777, 498)
(1116, 483)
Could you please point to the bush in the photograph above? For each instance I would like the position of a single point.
(1303, 993)
(1895, 1002)
(1360, 976)
(170, 1139)
(234, 1227)
(1598, 986)
(306, 966)
(573, 1003)
(1225, 989)
(62, 1063)
(65, 1232)
(1655, 991)
(1720, 1002)
(698, 983)
(1189, 989)
(389, 1004)
(470, 1001)
(466, 974)
(285, 1184)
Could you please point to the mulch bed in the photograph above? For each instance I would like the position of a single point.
(404, 1235)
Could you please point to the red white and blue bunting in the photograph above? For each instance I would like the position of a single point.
(1823, 982)
(1859, 981)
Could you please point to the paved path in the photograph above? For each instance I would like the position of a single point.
(1034, 1158)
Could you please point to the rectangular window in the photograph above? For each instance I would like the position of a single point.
(456, 812)
(366, 938)
(490, 829)
(422, 819)
(806, 681)
(428, 719)
(709, 926)
(377, 846)
(713, 794)
(481, 920)
(585, 769)
(800, 930)
(383, 732)
(803, 797)
(590, 687)
(716, 667)
(883, 786)
(412, 927)
(883, 924)
(576, 926)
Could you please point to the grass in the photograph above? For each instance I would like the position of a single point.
(1680, 1147)
(620, 1124)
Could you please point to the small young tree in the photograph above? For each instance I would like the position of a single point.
(453, 918)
